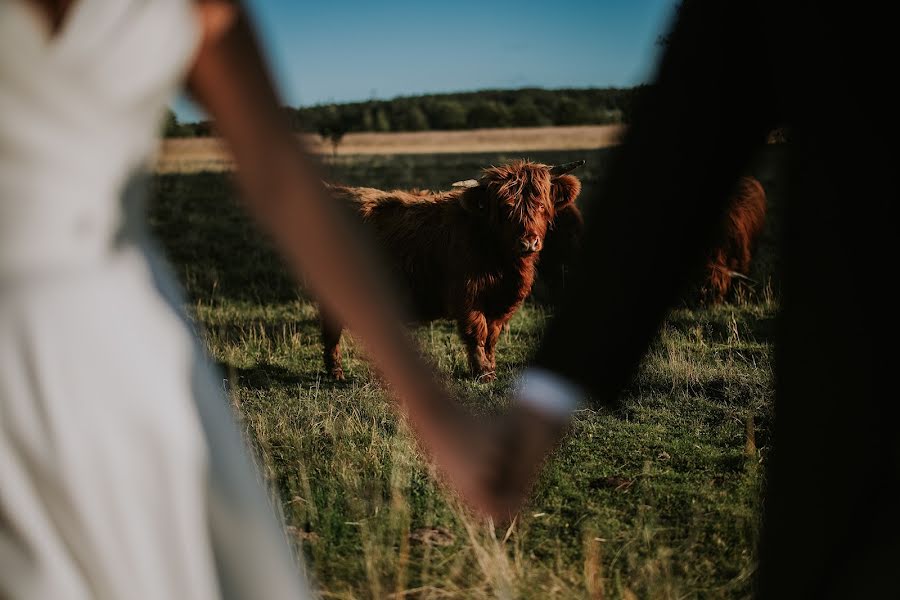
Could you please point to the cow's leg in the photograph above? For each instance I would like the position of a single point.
(331, 343)
(718, 280)
(474, 331)
(490, 344)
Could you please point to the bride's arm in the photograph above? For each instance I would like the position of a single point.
(53, 11)
(283, 190)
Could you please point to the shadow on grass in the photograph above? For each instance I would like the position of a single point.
(217, 252)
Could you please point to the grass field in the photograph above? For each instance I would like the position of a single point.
(656, 500)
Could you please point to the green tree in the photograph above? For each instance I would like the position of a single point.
(416, 119)
(382, 121)
(171, 127)
(570, 111)
(332, 127)
(368, 119)
(407, 115)
(446, 114)
(334, 134)
(525, 113)
(489, 113)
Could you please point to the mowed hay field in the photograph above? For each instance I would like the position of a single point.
(659, 499)
(192, 155)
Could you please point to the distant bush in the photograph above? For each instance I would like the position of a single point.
(529, 107)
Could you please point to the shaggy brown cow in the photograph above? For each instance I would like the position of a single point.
(731, 257)
(467, 254)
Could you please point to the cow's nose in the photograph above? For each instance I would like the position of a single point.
(530, 244)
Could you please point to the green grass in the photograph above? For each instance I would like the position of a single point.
(656, 500)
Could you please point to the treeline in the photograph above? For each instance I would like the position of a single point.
(530, 107)
(173, 128)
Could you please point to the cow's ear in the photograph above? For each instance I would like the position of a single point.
(565, 189)
(474, 200)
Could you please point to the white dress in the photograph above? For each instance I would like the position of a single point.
(121, 472)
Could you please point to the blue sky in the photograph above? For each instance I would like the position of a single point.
(349, 50)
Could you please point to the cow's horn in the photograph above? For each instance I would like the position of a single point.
(563, 169)
(468, 183)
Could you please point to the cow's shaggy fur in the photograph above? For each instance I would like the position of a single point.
(732, 254)
(467, 254)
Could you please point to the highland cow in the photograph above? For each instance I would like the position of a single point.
(731, 256)
(468, 254)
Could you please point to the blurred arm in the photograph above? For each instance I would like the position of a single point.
(283, 190)
(651, 224)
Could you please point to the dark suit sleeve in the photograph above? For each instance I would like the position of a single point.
(650, 226)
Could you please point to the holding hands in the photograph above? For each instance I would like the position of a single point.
(491, 464)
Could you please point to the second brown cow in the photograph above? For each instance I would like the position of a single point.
(731, 256)
(468, 254)
(728, 260)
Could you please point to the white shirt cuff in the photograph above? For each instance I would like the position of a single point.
(549, 393)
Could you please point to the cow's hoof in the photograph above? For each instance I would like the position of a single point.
(337, 374)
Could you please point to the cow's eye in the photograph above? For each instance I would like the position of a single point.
(540, 208)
